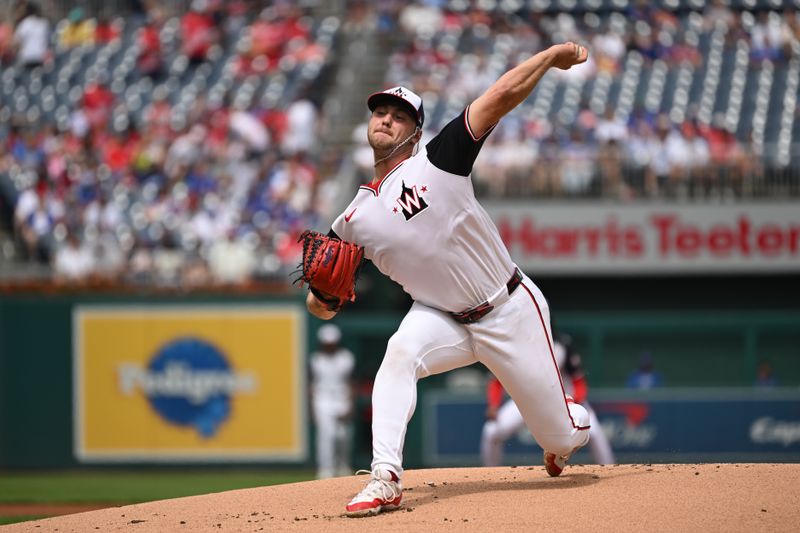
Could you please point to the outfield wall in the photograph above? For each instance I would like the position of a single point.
(667, 425)
(110, 380)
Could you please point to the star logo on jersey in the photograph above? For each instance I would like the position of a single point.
(411, 203)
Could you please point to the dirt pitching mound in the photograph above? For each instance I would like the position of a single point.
(708, 497)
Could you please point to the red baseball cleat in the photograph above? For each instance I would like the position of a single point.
(383, 492)
(554, 464)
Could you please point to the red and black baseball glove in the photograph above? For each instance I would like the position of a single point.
(330, 267)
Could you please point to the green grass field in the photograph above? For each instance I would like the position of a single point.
(127, 486)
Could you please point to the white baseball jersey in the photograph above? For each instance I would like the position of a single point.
(422, 226)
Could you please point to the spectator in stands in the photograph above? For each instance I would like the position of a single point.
(361, 18)
(98, 101)
(78, 30)
(106, 30)
(610, 171)
(27, 204)
(645, 376)
(611, 133)
(301, 51)
(198, 32)
(609, 47)
(231, 260)
(270, 35)
(718, 11)
(140, 264)
(6, 41)
(32, 37)
(421, 17)
(74, 261)
(639, 154)
(157, 114)
(101, 214)
(302, 123)
(387, 13)
(546, 176)
(685, 51)
(698, 155)
(150, 61)
(109, 258)
(678, 155)
(36, 228)
(791, 19)
(118, 150)
(768, 34)
(184, 151)
(578, 161)
(27, 150)
(194, 272)
(727, 158)
(168, 261)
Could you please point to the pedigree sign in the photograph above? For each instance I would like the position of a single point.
(574, 238)
(190, 383)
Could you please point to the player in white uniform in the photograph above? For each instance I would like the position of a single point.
(504, 421)
(332, 402)
(420, 224)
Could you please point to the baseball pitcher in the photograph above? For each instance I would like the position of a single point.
(419, 222)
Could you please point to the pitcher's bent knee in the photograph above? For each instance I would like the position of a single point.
(579, 414)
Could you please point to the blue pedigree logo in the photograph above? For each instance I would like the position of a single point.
(188, 382)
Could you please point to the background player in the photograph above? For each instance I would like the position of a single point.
(420, 224)
(332, 402)
(503, 419)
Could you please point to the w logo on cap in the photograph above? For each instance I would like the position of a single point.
(399, 92)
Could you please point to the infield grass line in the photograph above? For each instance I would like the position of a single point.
(127, 486)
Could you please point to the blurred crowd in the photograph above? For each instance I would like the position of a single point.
(215, 194)
(189, 151)
(576, 138)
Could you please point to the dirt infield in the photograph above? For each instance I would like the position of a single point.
(708, 497)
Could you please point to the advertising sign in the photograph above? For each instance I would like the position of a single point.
(192, 384)
(575, 238)
(672, 426)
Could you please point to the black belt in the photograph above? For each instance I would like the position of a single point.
(470, 316)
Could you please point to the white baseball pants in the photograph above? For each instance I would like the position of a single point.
(513, 341)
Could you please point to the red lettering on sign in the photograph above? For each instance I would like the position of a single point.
(663, 223)
(770, 240)
(634, 242)
(794, 237)
(559, 242)
(744, 236)
(663, 235)
(688, 241)
(721, 241)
